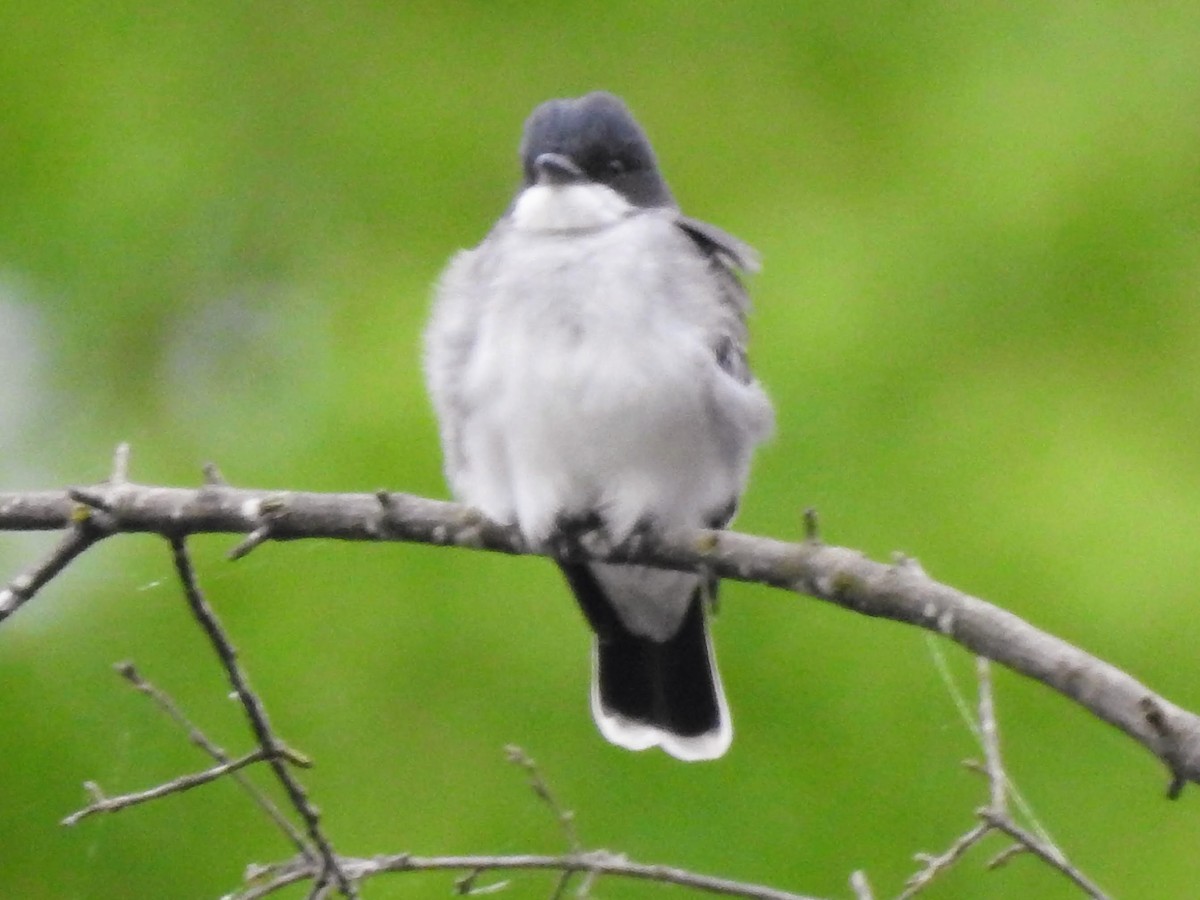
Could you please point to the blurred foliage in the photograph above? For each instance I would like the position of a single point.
(978, 318)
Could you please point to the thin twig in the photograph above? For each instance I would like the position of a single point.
(254, 539)
(163, 701)
(87, 529)
(266, 509)
(86, 522)
(560, 887)
(596, 862)
(212, 475)
(997, 814)
(934, 864)
(812, 525)
(989, 737)
(861, 886)
(995, 817)
(120, 465)
(466, 887)
(1048, 853)
(564, 816)
(1012, 851)
(178, 785)
(259, 724)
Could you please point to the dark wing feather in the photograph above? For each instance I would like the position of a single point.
(733, 253)
(728, 256)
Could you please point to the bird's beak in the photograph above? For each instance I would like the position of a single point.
(554, 168)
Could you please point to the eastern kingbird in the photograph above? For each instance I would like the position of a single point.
(587, 363)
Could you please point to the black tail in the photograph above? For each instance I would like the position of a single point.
(648, 692)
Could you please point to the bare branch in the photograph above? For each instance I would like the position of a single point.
(120, 466)
(1048, 853)
(595, 863)
(100, 803)
(84, 528)
(995, 817)
(212, 475)
(812, 526)
(588, 864)
(564, 817)
(466, 887)
(838, 575)
(861, 886)
(258, 536)
(902, 592)
(275, 750)
(989, 737)
(934, 864)
(164, 702)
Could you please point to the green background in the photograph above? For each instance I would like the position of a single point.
(978, 318)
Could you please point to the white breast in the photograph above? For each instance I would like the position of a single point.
(568, 207)
(592, 383)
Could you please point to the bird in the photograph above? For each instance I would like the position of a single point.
(588, 369)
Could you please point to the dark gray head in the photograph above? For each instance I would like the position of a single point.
(592, 139)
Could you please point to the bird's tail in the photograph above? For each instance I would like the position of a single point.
(648, 692)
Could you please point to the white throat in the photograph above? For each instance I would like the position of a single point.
(568, 207)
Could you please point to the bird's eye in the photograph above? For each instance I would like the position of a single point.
(615, 167)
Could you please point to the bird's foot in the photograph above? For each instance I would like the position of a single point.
(576, 536)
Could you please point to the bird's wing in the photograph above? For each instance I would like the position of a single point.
(733, 252)
(729, 257)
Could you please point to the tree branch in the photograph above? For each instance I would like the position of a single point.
(594, 863)
(901, 591)
(995, 817)
(564, 817)
(262, 881)
(101, 803)
(163, 701)
(276, 753)
(84, 530)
